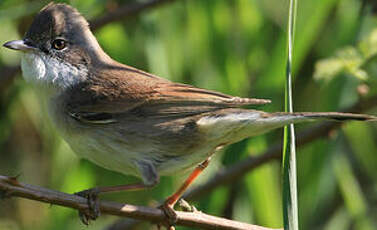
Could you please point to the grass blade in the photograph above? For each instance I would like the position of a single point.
(290, 209)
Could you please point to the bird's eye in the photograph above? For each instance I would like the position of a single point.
(58, 44)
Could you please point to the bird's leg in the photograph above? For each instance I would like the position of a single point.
(168, 206)
(150, 179)
(93, 202)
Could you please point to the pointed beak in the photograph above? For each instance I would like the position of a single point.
(21, 45)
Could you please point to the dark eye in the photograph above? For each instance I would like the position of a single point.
(58, 44)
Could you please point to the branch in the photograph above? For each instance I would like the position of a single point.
(236, 171)
(10, 187)
(128, 10)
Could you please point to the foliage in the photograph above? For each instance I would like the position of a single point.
(350, 60)
(236, 47)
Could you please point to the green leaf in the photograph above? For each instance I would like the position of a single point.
(349, 60)
(290, 204)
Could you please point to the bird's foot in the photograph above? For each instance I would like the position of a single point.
(93, 211)
(171, 215)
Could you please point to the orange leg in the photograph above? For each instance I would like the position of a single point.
(172, 200)
(118, 188)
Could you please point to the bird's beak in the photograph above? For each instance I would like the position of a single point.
(21, 45)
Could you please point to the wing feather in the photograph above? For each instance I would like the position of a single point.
(130, 91)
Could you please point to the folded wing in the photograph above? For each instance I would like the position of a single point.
(145, 95)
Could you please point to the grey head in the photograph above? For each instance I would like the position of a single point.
(59, 43)
(60, 31)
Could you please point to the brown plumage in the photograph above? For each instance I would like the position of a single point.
(130, 121)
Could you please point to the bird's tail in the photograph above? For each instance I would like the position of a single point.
(234, 125)
(268, 121)
(334, 116)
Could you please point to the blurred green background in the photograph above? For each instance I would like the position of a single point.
(233, 46)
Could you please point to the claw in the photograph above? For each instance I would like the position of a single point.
(93, 211)
(84, 218)
(171, 216)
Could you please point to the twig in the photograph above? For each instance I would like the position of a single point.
(10, 187)
(128, 10)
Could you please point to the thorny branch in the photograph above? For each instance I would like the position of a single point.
(11, 187)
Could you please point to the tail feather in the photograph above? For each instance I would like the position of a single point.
(232, 125)
(336, 116)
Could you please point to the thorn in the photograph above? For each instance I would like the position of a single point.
(13, 180)
(186, 206)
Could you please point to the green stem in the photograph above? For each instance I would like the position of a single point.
(290, 209)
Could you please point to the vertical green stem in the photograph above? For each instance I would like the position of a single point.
(290, 209)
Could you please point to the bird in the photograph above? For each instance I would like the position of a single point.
(130, 121)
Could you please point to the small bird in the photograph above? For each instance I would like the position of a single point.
(130, 121)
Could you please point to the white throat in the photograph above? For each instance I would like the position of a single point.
(46, 72)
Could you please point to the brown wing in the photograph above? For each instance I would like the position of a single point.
(126, 89)
(186, 93)
(172, 99)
